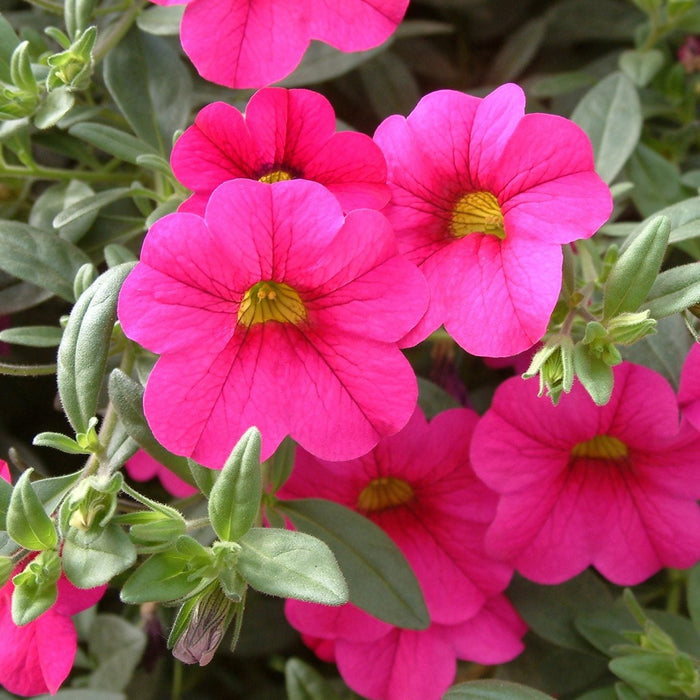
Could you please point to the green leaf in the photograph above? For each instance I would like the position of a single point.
(163, 21)
(59, 441)
(90, 560)
(204, 478)
(641, 66)
(55, 106)
(378, 576)
(291, 565)
(113, 141)
(433, 399)
(493, 690)
(40, 257)
(8, 43)
(82, 354)
(673, 291)
(303, 682)
(126, 395)
(116, 254)
(635, 271)
(76, 694)
(648, 671)
(32, 336)
(517, 52)
(5, 496)
(611, 114)
(52, 491)
(117, 646)
(595, 375)
(57, 198)
(550, 611)
(693, 596)
(35, 589)
(234, 501)
(27, 521)
(155, 108)
(389, 84)
(656, 180)
(89, 206)
(280, 465)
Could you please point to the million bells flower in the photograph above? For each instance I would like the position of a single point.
(284, 134)
(253, 43)
(483, 196)
(418, 486)
(274, 310)
(37, 657)
(612, 486)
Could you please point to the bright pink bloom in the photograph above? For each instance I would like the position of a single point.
(611, 486)
(252, 43)
(689, 391)
(142, 467)
(483, 196)
(284, 134)
(274, 311)
(36, 658)
(418, 486)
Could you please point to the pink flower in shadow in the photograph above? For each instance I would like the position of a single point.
(483, 197)
(284, 134)
(419, 487)
(612, 486)
(142, 467)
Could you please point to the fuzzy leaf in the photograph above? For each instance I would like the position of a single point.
(27, 522)
(493, 690)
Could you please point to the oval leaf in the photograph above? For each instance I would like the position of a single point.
(379, 577)
(493, 690)
(27, 522)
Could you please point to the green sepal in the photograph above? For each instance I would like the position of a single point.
(27, 521)
(291, 565)
(234, 501)
(595, 374)
(82, 354)
(35, 589)
(635, 271)
(94, 558)
(171, 576)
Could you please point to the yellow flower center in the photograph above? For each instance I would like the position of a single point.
(601, 447)
(271, 301)
(384, 492)
(477, 212)
(275, 176)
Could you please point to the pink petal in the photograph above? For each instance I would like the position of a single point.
(244, 43)
(143, 467)
(72, 600)
(689, 391)
(4, 470)
(355, 25)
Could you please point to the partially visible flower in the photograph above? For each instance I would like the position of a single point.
(689, 390)
(612, 486)
(284, 134)
(36, 658)
(689, 54)
(274, 311)
(419, 487)
(142, 467)
(252, 43)
(483, 197)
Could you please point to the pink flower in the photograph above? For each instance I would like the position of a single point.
(274, 311)
(689, 391)
(613, 486)
(483, 196)
(36, 658)
(142, 467)
(418, 486)
(252, 43)
(284, 134)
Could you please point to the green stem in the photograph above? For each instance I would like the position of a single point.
(41, 173)
(27, 370)
(176, 690)
(116, 32)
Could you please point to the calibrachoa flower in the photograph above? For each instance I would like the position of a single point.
(419, 487)
(483, 196)
(36, 658)
(143, 467)
(284, 134)
(689, 391)
(275, 311)
(252, 43)
(611, 486)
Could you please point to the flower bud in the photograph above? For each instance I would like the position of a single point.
(628, 328)
(554, 364)
(92, 504)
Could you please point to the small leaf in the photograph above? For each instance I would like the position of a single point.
(82, 354)
(59, 441)
(27, 522)
(54, 107)
(673, 291)
(126, 395)
(291, 565)
(656, 180)
(113, 141)
(234, 501)
(90, 205)
(281, 463)
(90, 561)
(40, 257)
(493, 690)
(611, 114)
(303, 682)
(595, 375)
(163, 21)
(379, 577)
(641, 66)
(648, 671)
(32, 336)
(635, 271)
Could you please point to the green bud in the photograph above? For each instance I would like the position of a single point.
(655, 639)
(73, 67)
(85, 276)
(35, 588)
(92, 504)
(628, 328)
(16, 103)
(207, 619)
(554, 364)
(600, 345)
(21, 69)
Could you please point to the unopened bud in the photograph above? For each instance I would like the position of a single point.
(628, 328)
